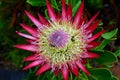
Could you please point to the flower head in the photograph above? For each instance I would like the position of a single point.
(61, 43)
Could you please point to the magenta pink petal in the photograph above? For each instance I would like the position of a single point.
(33, 64)
(34, 20)
(81, 66)
(83, 61)
(51, 12)
(65, 73)
(79, 14)
(92, 19)
(42, 19)
(44, 68)
(58, 16)
(32, 57)
(93, 26)
(95, 36)
(29, 29)
(56, 72)
(26, 36)
(69, 12)
(64, 13)
(81, 22)
(29, 40)
(92, 45)
(91, 55)
(74, 70)
(27, 47)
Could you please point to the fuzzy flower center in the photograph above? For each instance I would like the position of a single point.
(61, 43)
(58, 39)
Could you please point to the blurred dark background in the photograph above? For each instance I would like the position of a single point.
(12, 13)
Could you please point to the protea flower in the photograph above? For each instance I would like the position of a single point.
(61, 43)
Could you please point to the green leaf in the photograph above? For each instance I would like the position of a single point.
(102, 74)
(36, 2)
(114, 78)
(110, 34)
(55, 5)
(103, 44)
(76, 6)
(117, 53)
(106, 57)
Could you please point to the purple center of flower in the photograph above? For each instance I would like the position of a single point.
(58, 39)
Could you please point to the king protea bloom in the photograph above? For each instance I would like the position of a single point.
(61, 43)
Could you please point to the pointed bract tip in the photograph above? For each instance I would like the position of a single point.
(74, 70)
(26, 12)
(91, 55)
(81, 66)
(33, 64)
(47, 1)
(79, 14)
(27, 47)
(24, 69)
(69, 12)
(65, 73)
(22, 24)
(43, 68)
(64, 12)
(42, 19)
(51, 11)
(56, 72)
(96, 36)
